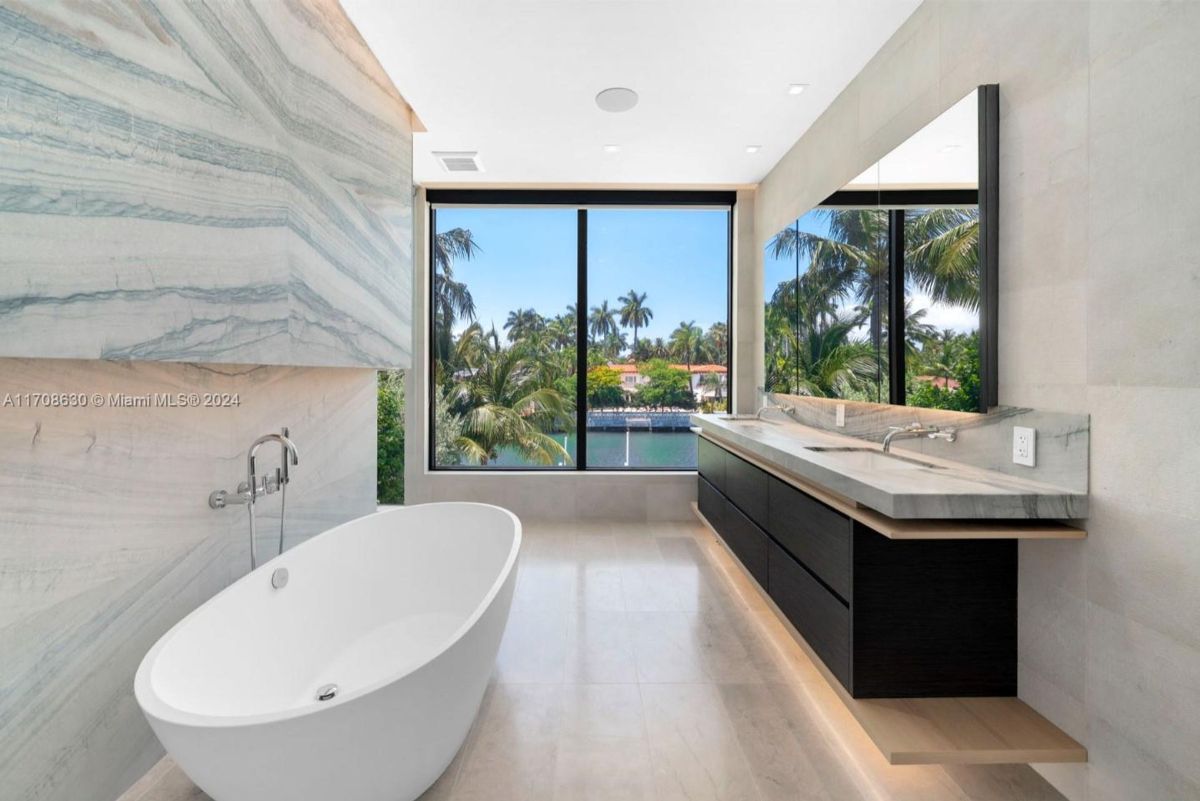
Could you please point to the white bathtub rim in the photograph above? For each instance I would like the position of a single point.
(154, 706)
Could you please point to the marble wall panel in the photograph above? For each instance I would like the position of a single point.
(207, 181)
(106, 540)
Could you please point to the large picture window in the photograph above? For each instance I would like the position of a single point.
(574, 331)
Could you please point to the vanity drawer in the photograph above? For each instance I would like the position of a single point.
(746, 486)
(712, 462)
(822, 619)
(813, 533)
(747, 541)
(710, 502)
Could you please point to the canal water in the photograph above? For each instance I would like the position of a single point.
(661, 449)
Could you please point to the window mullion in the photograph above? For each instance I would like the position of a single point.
(581, 342)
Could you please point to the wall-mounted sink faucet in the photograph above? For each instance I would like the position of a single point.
(766, 401)
(914, 430)
(254, 486)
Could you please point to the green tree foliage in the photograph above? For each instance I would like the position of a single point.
(963, 349)
(451, 298)
(667, 386)
(635, 313)
(390, 452)
(604, 388)
(506, 397)
(686, 342)
(825, 331)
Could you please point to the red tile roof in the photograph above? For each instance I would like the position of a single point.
(696, 368)
(939, 381)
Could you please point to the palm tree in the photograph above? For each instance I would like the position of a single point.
(685, 340)
(562, 331)
(504, 401)
(451, 298)
(635, 313)
(717, 342)
(602, 321)
(850, 263)
(712, 381)
(833, 365)
(941, 256)
(917, 333)
(522, 323)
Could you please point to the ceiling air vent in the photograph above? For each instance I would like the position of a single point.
(459, 161)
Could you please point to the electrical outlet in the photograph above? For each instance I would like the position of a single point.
(840, 422)
(1024, 446)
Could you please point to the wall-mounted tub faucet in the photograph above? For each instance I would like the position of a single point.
(249, 490)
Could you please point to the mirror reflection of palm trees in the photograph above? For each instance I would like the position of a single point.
(826, 330)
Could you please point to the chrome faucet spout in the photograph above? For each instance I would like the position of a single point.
(289, 452)
(914, 430)
(768, 402)
(910, 431)
(247, 492)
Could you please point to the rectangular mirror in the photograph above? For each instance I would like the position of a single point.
(886, 292)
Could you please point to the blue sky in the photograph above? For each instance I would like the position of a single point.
(679, 258)
(775, 271)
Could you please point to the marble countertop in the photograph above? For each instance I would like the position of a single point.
(916, 486)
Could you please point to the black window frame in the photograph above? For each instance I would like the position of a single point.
(581, 200)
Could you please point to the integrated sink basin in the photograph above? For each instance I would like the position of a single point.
(871, 459)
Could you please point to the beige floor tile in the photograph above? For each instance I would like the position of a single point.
(778, 761)
(602, 711)
(695, 749)
(534, 648)
(604, 769)
(600, 648)
(513, 754)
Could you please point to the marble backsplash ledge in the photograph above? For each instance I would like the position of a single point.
(983, 440)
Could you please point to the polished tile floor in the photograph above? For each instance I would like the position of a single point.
(639, 663)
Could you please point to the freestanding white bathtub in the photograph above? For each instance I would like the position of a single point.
(403, 610)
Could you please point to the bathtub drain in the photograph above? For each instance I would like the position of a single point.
(327, 692)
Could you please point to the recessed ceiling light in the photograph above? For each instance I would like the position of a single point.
(612, 148)
(617, 99)
(797, 88)
(753, 148)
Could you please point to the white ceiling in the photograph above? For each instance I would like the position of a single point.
(516, 81)
(944, 154)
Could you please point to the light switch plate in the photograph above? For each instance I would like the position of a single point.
(1024, 446)
(840, 422)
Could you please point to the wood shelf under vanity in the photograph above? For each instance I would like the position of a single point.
(911, 622)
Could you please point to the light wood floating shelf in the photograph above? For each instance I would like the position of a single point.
(935, 731)
(918, 529)
(962, 731)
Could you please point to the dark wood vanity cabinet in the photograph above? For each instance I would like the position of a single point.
(889, 618)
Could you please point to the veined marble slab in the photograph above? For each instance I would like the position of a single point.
(207, 181)
(106, 540)
(895, 487)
